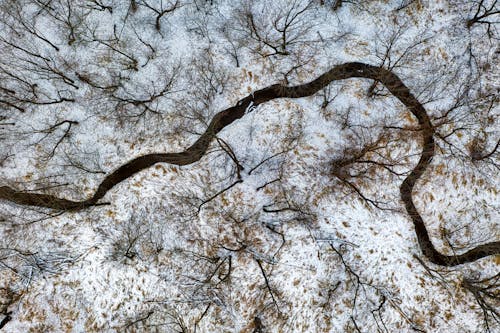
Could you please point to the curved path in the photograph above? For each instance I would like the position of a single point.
(224, 118)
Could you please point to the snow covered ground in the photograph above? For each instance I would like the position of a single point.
(290, 248)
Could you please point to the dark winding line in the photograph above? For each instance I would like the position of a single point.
(224, 118)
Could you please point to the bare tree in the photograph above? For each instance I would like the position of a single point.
(256, 131)
(485, 12)
(160, 10)
(278, 31)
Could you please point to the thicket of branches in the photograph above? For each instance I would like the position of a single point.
(69, 66)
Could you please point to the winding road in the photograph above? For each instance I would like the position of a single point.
(224, 118)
